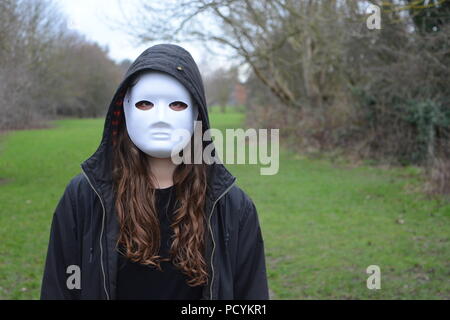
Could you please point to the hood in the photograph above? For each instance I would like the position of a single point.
(177, 62)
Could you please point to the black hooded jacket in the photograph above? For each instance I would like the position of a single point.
(84, 229)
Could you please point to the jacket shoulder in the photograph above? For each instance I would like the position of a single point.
(80, 194)
(240, 204)
(239, 196)
(78, 185)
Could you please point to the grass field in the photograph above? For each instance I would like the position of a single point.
(323, 222)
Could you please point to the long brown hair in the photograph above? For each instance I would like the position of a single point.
(139, 229)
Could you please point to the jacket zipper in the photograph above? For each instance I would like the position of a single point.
(101, 233)
(212, 236)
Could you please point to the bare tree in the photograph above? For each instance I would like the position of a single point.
(220, 86)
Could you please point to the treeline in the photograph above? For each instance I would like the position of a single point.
(344, 88)
(316, 70)
(46, 69)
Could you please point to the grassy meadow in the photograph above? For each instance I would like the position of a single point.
(324, 222)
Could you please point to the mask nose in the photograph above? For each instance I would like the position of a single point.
(161, 110)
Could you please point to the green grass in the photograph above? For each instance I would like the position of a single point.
(322, 223)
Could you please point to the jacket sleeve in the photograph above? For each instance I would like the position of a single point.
(63, 255)
(250, 282)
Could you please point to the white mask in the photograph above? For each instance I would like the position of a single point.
(155, 107)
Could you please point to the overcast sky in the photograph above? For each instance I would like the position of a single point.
(90, 17)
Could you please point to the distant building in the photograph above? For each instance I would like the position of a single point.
(238, 96)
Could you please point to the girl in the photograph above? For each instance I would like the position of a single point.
(134, 224)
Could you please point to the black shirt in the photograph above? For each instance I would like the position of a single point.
(141, 282)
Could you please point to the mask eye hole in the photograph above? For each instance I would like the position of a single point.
(144, 105)
(178, 106)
